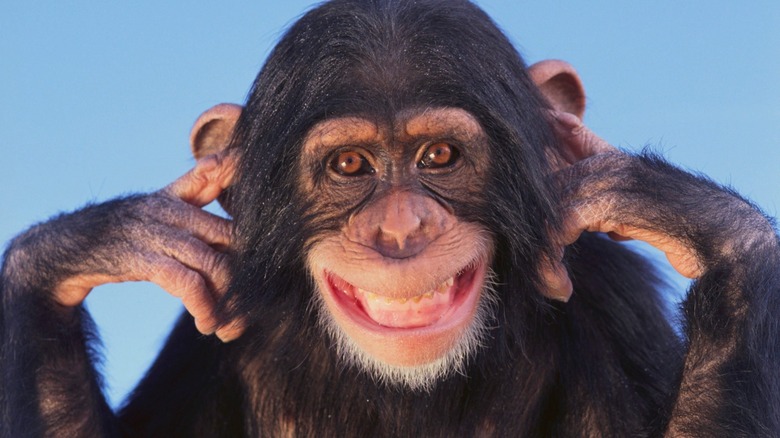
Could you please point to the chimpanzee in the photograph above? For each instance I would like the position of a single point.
(423, 242)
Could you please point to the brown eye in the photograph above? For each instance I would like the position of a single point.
(351, 163)
(439, 155)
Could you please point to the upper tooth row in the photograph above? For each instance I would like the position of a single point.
(442, 288)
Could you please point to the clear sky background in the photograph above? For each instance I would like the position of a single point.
(97, 100)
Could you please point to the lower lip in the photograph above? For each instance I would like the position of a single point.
(462, 308)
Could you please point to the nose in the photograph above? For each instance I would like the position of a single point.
(401, 225)
(400, 230)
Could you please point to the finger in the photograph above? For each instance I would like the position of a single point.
(73, 290)
(557, 282)
(588, 218)
(210, 176)
(579, 141)
(574, 224)
(208, 227)
(215, 270)
(195, 254)
(190, 287)
(231, 331)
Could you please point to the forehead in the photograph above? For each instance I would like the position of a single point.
(407, 125)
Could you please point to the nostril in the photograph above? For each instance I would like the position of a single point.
(399, 247)
(388, 240)
(400, 231)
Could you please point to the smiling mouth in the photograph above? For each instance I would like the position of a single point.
(450, 301)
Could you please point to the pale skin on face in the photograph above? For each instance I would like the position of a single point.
(398, 213)
(450, 245)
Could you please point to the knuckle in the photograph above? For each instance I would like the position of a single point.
(176, 279)
(189, 283)
(222, 260)
(221, 230)
(216, 267)
(223, 226)
(208, 262)
(211, 228)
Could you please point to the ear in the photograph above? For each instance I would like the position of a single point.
(560, 84)
(211, 134)
(213, 130)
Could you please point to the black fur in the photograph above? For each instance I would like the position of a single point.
(607, 363)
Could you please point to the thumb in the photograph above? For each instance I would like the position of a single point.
(579, 141)
(203, 183)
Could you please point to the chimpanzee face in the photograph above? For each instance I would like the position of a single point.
(402, 283)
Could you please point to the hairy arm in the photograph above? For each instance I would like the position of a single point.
(48, 384)
(729, 384)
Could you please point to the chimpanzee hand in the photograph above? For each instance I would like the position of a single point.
(163, 237)
(693, 221)
(708, 233)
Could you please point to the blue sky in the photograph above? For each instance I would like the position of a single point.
(97, 99)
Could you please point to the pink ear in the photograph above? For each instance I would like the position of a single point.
(560, 84)
(213, 130)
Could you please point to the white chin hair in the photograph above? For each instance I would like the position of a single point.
(420, 377)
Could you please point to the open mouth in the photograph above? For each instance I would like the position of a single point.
(448, 303)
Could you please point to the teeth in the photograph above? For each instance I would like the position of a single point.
(442, 288)
(417, 311)
(446, 285)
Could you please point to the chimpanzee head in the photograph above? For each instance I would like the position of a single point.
(393, 184)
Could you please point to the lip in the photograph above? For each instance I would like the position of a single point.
(466, 293)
